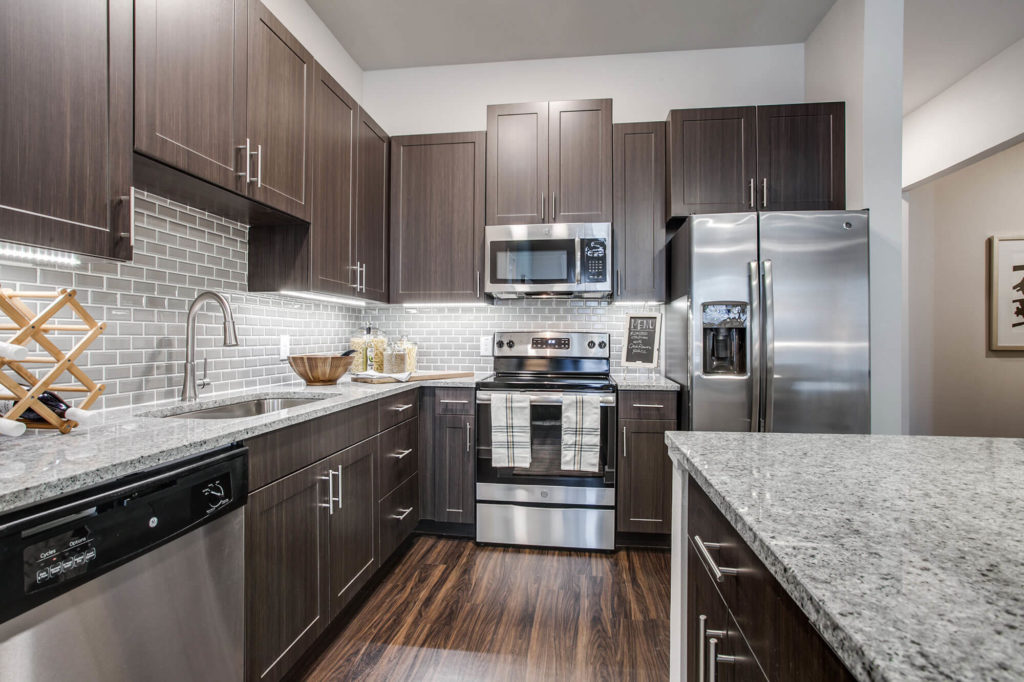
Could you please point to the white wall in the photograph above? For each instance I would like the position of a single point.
(299, 18)
(644, 86)
(856, 54)
(976, 116)
(834, 71)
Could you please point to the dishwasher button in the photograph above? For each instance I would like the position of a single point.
(42, 575)
(79, 559)
(90, 554)
(54, 570)
(67, 564)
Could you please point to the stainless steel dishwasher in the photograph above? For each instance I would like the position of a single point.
(140, 579)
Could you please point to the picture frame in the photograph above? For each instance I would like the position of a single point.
(641, 343)
(1006, 293)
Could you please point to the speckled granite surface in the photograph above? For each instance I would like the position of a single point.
(37, 467)
(907, 553)
(631, 381)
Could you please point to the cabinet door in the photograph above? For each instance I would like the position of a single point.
(371, 222)
(801, 156)
(645, 477)
(638, 237)
(352, 521)
(454, 475)
(580, 161)
(65, 125)
(280, 81)
(437, 217)
(333, 148)
(712, 160)
(517, 164)
(285, 581)
(190, 73)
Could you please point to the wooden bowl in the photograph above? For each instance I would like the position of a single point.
(320, 370)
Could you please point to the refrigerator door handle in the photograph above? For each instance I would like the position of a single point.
(769, 343)
(755, 344)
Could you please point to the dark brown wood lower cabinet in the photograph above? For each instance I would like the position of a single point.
(285, 584)
(454, 468)
(644, 485)
(352, 521)
(399, 514)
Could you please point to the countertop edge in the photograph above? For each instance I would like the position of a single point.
(847, 647)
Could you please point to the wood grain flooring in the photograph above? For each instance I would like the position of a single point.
(453, 610)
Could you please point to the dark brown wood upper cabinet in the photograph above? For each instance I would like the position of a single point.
(285, 580)
(352, 521)
(437, 217)
(801, 156)
(580, 161)
(517, 163)
(370, 231)
(549, 162)
(190, 81)
(280, 80)
(638, 237)
(712, 160)
(66, 125)
(335, 116)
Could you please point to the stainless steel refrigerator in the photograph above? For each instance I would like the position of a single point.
(767, 322)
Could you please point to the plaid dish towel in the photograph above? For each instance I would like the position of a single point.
(510, 430)
(581, 433)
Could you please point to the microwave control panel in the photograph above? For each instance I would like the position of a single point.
(594, 260)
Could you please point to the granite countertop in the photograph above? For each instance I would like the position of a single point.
(906, 553)
(644, 381)
(34, 468)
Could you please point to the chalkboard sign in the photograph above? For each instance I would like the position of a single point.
(642, 343)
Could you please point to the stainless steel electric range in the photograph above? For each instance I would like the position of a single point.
(543, 505)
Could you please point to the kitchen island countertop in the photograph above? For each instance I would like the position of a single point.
(906, 553)
(37, 467)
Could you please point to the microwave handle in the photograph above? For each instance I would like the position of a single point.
(579, 275)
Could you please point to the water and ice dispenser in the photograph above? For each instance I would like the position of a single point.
(725, 337)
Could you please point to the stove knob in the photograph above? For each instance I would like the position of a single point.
(511, 343)
(500, 344)
(602, 345)
(590, 345)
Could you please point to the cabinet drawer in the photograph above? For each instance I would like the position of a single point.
(397, 457)
(454, 401)
(398, 408)
(647, 404)
(399, 514)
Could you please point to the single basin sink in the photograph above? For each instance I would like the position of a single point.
(247, 408)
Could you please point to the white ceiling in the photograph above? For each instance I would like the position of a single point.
(385, 34)
(944, 40)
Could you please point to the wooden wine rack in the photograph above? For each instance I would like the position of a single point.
(27, 325)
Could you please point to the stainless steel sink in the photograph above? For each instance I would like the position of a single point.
(246, 408)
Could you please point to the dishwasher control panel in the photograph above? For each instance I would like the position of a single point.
(47, 552)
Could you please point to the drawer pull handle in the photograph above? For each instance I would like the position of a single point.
(702, 549)
(658, 407)
(716, 658)
(400, 454)
(405, 512)
(401, 408)
(702, 631)
(456, 402)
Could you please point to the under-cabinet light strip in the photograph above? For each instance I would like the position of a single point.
(342, 300)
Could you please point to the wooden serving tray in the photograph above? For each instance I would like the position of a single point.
(416, 376)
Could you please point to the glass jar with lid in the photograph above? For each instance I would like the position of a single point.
(359, 342)
(395, 359)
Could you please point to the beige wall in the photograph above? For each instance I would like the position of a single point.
(957, 386)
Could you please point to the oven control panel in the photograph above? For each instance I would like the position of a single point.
(552, 344)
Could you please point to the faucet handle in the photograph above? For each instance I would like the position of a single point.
(204, 382)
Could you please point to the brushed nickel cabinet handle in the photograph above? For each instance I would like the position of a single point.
(248, 154)
(702, 622)
(405, 512)
(716, 570)
(554, 204)
(400, 454)
(477, 280)
(625, 443)
(259, 165)
(764, 192)
(330, 491)
(469, 430)
(753, 201)
(401, 408)
(543, 208)
(457, 402)
(618, 282)
(339, 486)
(653, 405)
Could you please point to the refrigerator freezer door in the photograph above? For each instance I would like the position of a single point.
(723, 246)
(819, 283)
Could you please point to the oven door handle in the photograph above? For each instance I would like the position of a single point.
(484, 398)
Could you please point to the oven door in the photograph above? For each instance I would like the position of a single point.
(563, 259)
(545, 469)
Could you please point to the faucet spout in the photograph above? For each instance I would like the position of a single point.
(188, 388)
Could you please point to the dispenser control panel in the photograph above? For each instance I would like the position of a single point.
(725, 338)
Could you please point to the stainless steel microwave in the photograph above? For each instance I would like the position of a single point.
(554, 259)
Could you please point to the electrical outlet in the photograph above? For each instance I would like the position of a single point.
(485, 346)
(285, 348)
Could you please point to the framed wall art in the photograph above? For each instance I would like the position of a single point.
(1006, 331)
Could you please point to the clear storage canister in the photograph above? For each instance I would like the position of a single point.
(394, 359)
(375, 350)
(358, 343)
(410, 354)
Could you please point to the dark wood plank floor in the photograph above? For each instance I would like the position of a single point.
(452, 610)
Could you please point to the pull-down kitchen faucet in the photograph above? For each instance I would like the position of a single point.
(188, 388)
